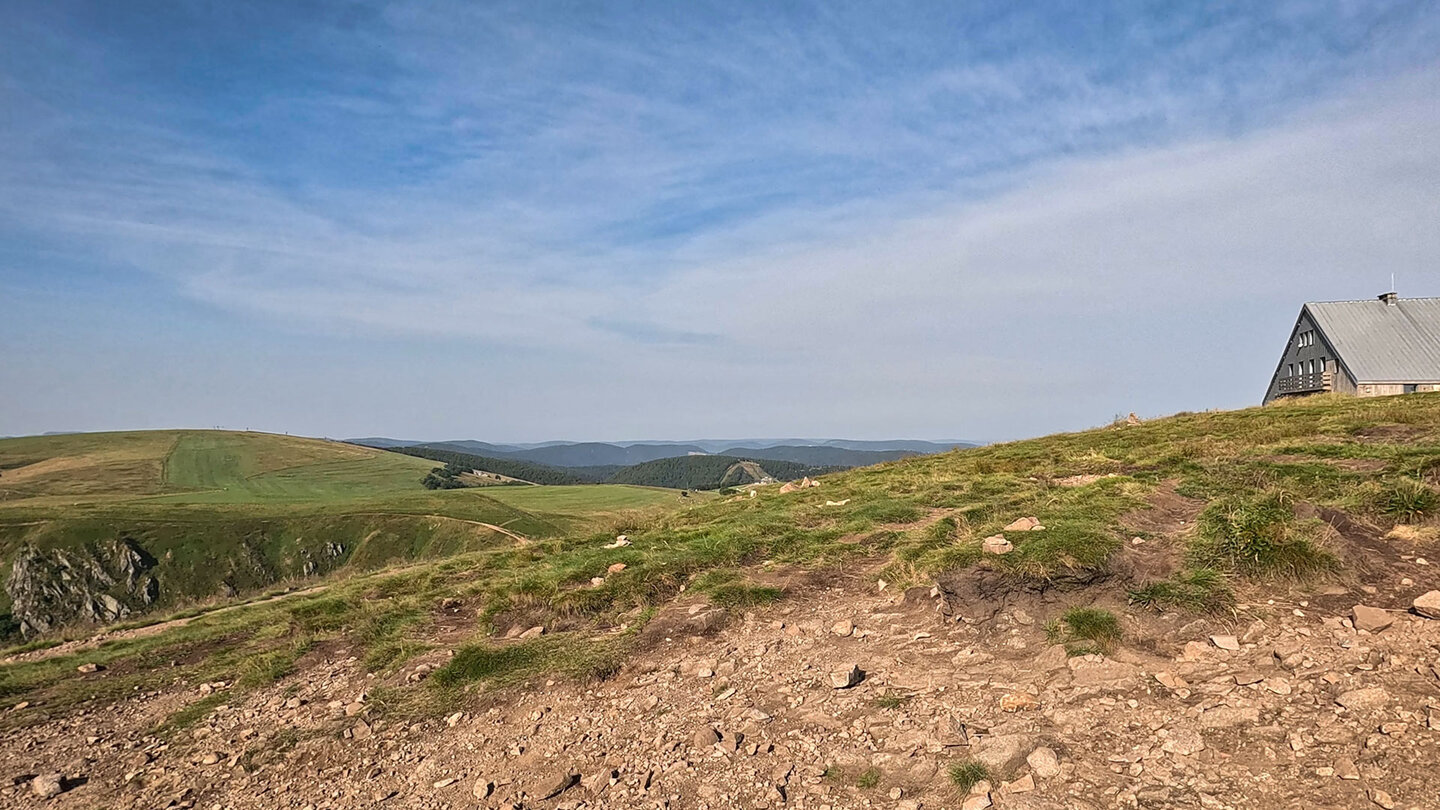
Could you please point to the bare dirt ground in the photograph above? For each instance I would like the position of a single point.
(740, 713)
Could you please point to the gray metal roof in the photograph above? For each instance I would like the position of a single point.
(1379, 342)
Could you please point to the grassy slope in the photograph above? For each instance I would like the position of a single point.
(250, 509)
(918, 517)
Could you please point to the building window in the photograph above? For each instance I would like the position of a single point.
(1292, 370)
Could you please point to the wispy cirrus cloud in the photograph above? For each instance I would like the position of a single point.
(934, 202)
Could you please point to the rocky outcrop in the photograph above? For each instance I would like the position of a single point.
(100, 583)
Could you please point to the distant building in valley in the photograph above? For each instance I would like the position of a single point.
(1373, 348)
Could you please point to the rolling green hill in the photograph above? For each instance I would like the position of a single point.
(150, 520)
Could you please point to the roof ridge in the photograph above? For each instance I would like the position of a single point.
(1374, 300)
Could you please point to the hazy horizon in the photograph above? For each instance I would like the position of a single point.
(990, 220)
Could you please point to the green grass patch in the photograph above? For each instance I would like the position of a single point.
(1085, 630)
(1258, 536)
(1198, 590)
(967, 773)
(868, 778)
(1409, 501)
(516, 663)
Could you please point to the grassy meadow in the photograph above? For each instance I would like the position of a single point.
(1254, 481)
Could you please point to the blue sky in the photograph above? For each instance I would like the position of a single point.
(665, 220)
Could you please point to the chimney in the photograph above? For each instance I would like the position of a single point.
(1389, 298)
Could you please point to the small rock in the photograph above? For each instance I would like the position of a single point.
(483, 788)
(1371, 619)
(47, 785)
(1382, 798)
(1427, 604)
(88, 668)
(1044, 762)
(976, 801)
(533, 632)
(1018, 702)
(1345, 769)
(210, 758)
(615, 568)
(843, 628)
(1225, 642)
(444, 783)
(555, 784)
(1024, 524)
(1185, 742)
(1024, 784)
(997, 544)
(1371, 697)
(846, 678)
(706, 737)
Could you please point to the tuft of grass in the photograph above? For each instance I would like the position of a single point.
(1258, 536)
(1409, 501)
(967, 773)
(892, 700)
(1085, 630)
(868, 779)
(1199, 590)
(515, 663)
(191, 714)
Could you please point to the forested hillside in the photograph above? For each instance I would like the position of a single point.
(710, 472)
(511, 468)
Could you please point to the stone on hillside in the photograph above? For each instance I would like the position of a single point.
(556, 783)
(1428, 604)
(1044, 762)
(1185, 742)
(843, 628)
(1382, 798)
(1024, 524)
(88, 668)
(997, 544)
(1367, 699)
(1003, 753)
(1018, 702)
(615, 568)
(1371, 619)
(47, 785)
(706, 737)
(976, 801)
(1225, 642)
(1229, 717)
(1105, 672)
(483, 788)
(1171, 681)
(847, 677)
(598, 781)
(1024, 784)
(1345, 769)
(532, 633)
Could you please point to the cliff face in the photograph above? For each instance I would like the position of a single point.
(99, 583)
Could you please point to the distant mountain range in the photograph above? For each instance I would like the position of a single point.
(808, 452)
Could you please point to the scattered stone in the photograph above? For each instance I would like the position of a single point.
(88, 668)
(976, 801)
(846, 678)
(1003, 753)
(1024, 524)
(1428, 604)
(556, 783)
(1229, 717)
(210, 758)
(1185, 742)
(620, 542)
(843, 628)
(1382, 798)
(1171, 681)
(1018, 702)
(440, 784)
(997, 544)
(706, 737)
(1371, 619)
(615, 568)
(47, 785)
(1024, 784)
(1044, 762)
(1345, 769)
(483, 788)
(1225, 642)
(1369, 698)
(534, 632)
